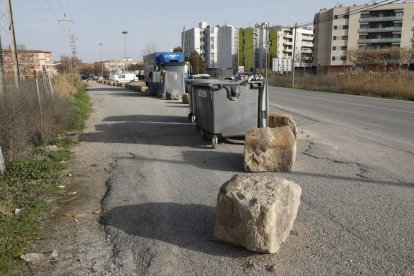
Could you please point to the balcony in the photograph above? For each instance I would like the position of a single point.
(306, 38)
(380, 30)
(307, 44)
(287, 50)
(379, 40)
(287, 43)
(381, 18)
(307, 51)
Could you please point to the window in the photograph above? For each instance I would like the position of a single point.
(333, 58)
(333, 48)
(345, 37)
(345, 27)
(346, 16)
(343, 58)
(335, 27)
(334, 38)
(344, 48)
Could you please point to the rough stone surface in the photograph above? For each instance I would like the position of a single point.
(256, 211)
(269, 149)
(171, 95)
(185, 98)
(280, 120)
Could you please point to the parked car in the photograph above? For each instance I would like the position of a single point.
(127, 77)
(199, 76)
(242, 75)
(84, 77)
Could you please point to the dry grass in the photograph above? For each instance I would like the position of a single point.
(66, 84)
(397, 84)
(26, 121)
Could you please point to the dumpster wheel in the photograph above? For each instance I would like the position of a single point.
(214, 141)
(204, 134)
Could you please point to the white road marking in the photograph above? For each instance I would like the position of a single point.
(337, 101)
(363, 133)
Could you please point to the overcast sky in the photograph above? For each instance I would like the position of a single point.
(102, 21)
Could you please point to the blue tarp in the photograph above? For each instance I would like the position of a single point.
(166, 57)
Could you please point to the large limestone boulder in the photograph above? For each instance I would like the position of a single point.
(269, 149)
(256, 211)
(144, 88)
(185, 98)
(171, 95)
(280, 120)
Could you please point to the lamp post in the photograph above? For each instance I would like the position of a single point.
(125, 33)
(125, 53)
(100, 50)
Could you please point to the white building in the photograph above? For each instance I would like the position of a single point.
(195, 40)
(217, 45)
(293, 42)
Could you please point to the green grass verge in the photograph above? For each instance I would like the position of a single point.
(81, 105)
(30, 185)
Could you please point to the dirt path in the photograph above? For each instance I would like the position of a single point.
(73, 229)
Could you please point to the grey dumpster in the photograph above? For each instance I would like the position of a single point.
(192, 90)
(227, 109)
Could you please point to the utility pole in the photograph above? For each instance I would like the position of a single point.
(13, 44)
(2, 88)
(293, 55)
(183, 41)
(100, 48)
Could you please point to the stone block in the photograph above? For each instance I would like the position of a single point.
(256, 211)
(269, 149)
(143, 89)
(185, 98)
(280, 120)
(171, 95)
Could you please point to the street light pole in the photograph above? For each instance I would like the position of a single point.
(125, 53)
(293, 55)
(100, 50)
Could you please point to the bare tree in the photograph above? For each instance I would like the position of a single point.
(381, 58)
(69, 64)
(21, 46)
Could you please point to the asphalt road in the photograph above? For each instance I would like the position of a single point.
(388, 121)
(356, 214)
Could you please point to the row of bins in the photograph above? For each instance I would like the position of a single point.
(225, 109)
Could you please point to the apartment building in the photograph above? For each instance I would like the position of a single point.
(247, 48)
(30, 62)
(195, 40)
(217, 45)
(291, 42)
(341, 29)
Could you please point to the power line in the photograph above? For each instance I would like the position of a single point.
(70, 14)
(61, 6)
(358, 10)
(51, 9)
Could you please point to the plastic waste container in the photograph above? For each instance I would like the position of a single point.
(227, 109)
